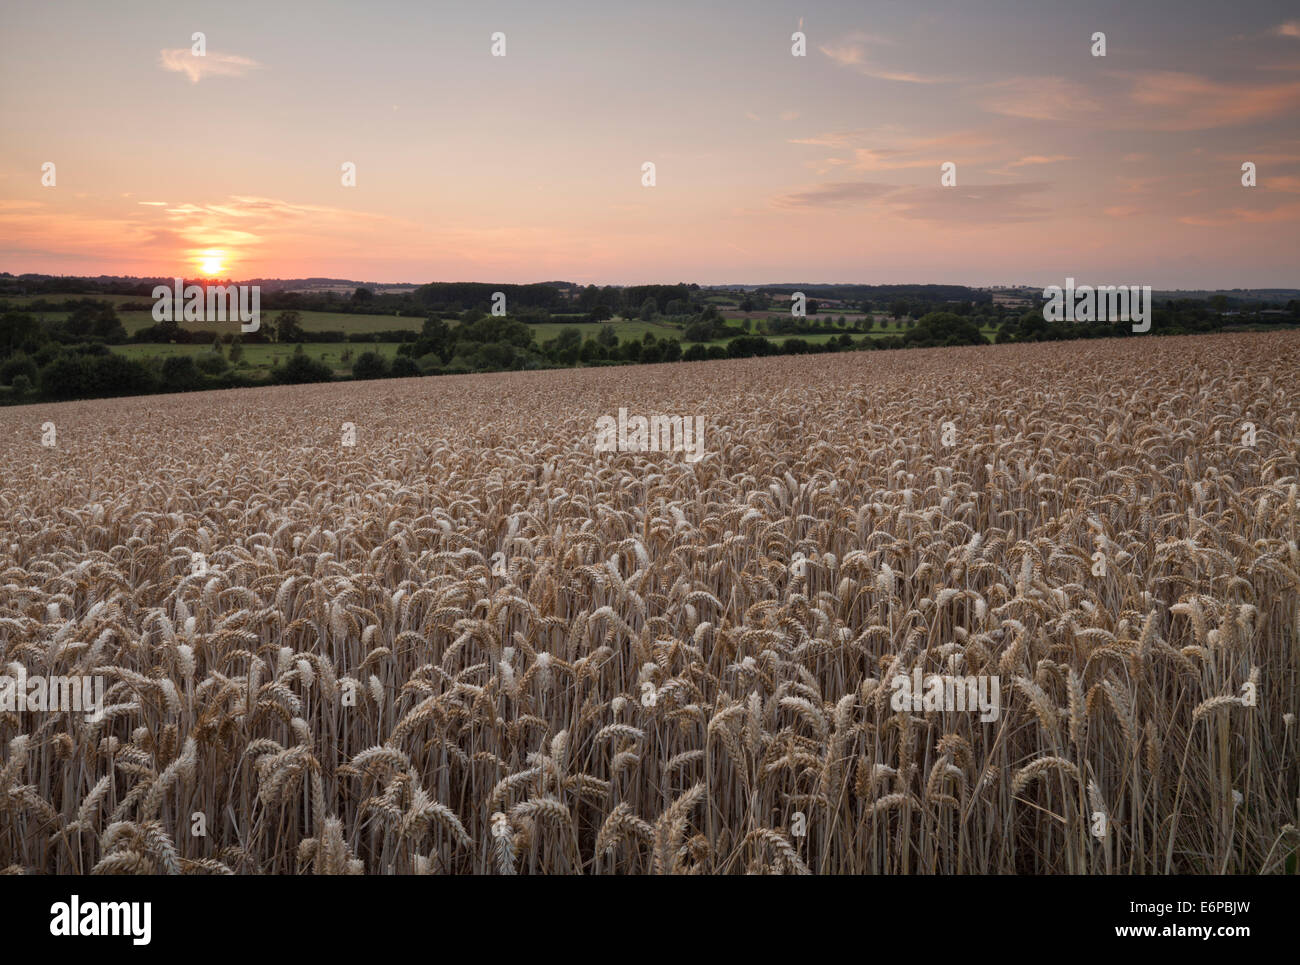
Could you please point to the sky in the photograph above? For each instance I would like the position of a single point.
(768, 167)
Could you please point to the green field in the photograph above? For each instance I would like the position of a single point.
(19, 301)
(546, 331)
(311, 321)
(260, 357)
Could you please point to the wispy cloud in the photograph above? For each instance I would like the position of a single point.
(975, 204)
(1153, 100)
(1176, 101)
(1289, 29)
(851, 53)
(1031, 159)
(979, 204)
(182, 60)
(1040, 99)
(891, 150)
(835, 194)
(1237, 216)
(833, 139)
(1040, 159)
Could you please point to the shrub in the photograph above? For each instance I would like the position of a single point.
(301, 368)
(369, 365)
(179, 373)
(212, 363)
(403, 367)
(20, 364)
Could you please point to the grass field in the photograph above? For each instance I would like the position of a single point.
(260, 357)
(263, 356)
(624, 329)
(20, 301)
(463, 640)
(311, 321)
(330, 321)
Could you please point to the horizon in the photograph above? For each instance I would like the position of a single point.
(1123, 168)
(730, 286)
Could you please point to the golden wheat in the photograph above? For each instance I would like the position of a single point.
(471, 645)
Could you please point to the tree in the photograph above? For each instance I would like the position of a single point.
(435, 339)
(16, 330)
(236, 351)
(115, 374)
(607, 336)
(369, 365)
(288, 327)
(566, 346)
(898, 308)
(16, 365)
(403, 367)
(700, 330)
(179, 374)
(211, 363)
(65, 377)
(943, 328)
(363, 296)
(301, 368)
(22, 385)
(649, 309)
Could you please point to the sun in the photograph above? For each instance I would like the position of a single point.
(212, 262)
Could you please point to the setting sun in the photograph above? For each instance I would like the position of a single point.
(212, 262)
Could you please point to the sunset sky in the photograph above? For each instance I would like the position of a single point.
(1123, 169)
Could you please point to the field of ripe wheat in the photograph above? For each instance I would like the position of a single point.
(470, 644)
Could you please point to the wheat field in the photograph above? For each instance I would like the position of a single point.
(470, 644)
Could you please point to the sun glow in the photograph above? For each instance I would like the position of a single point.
(212, 262)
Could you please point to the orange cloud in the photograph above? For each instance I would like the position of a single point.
(971, 205)
(1040, 159)
(1238, 216)
(851, 53)
(1040, 99)
(212, 64)
(1177, 101)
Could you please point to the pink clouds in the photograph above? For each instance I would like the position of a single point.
(212, 64)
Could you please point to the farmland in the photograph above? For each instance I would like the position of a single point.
(134, 321)
(468, 643)
(261, 356)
